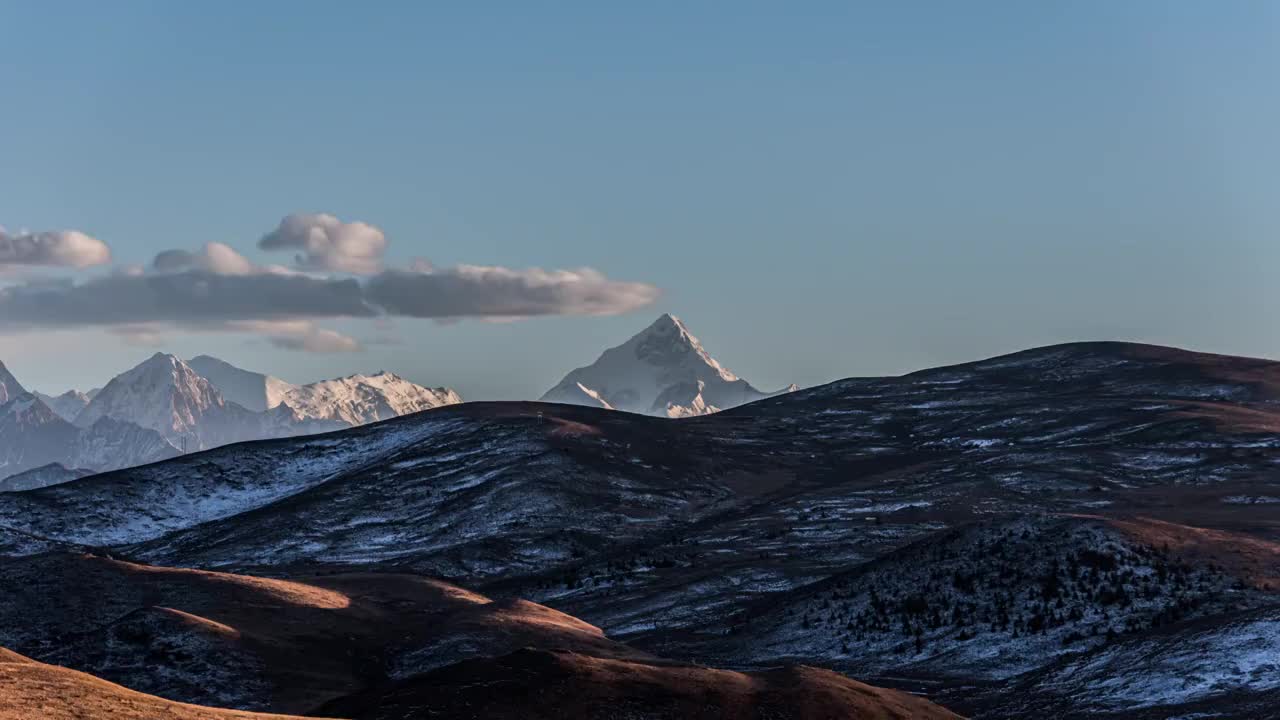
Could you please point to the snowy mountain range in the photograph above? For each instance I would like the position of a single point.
(351, 400)
(165, 406)
(662, 371)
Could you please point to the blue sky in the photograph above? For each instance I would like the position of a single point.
(819, 190)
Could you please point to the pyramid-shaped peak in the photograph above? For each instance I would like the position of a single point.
(161, 371)
(161, 360)
(667, 322)
(667, 330)
(9, 385)
(662, 370)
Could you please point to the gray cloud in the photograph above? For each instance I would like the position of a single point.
(199, 297)
(216, 288)
(186, 298)
(498, 292)
(67, 248)
(327, 243)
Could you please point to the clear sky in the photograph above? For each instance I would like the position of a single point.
(819, 190)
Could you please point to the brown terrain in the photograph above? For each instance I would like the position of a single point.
(330, 646)
(538, 684)
(31, 690)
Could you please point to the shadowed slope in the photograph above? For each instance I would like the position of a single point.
(261, 643)
(535, 685)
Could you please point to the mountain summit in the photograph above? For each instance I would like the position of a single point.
(9, 386)
(164, 394)
(662, 371)
(360, 399)
(251, 390)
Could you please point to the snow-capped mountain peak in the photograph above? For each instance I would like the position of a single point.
(350, 400)
(669, 341)
(164, 394)
(252, 390)
(359, 399)
(663, 370)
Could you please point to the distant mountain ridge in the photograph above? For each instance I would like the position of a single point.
(43, 476)
(662, 371)
(164, 394)
(69, 404)
(32, 436)
(165, 406)
(350, 400)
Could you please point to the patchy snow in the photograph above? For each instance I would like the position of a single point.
(1169, 670)
(1251, 500)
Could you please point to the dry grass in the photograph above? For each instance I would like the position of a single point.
(31, 690)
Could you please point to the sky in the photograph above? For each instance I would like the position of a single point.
(819, 190)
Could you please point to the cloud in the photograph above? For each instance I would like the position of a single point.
(214, 257)
(319, 340)
(299, 335)
(66, 248)
(215, 288)
(195, 297)
(327, 243)
(189, 298)
(473, 291)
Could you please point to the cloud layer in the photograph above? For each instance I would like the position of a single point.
(217, 288)
(66, 248)
(498, 292)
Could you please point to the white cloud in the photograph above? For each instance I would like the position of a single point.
(327, 243)
(214, 257)
(65, 248)
(474, 291)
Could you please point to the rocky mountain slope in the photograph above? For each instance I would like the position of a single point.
(166, 395)
(662, 371)
(9, 385)
(33, 436)
(69, 404)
